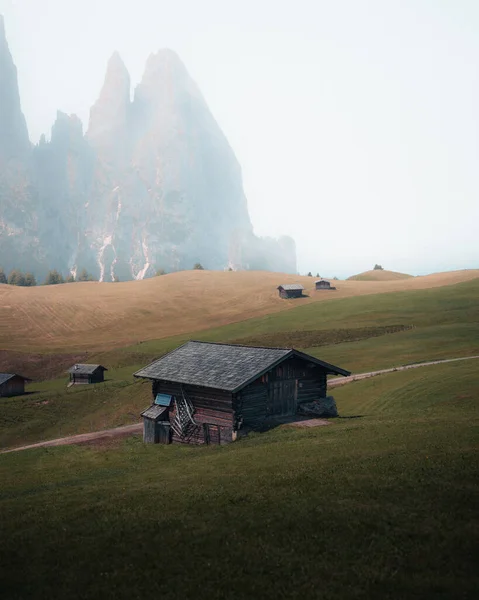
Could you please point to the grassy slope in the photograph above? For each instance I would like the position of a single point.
(445, 320)
(91, 316)
(381, 506)
(379, 275)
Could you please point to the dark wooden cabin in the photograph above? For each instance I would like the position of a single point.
(12, 384)
(206, 393)
(80, 374)
(291, 290)
(323, 284)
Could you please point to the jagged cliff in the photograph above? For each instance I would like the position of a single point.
(152, 184)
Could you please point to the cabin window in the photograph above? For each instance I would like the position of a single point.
(264, 378)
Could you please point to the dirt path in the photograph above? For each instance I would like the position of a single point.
(137, 427)
(344, 380)
(84, 437)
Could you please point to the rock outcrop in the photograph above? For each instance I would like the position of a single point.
(14, 142)
(153, 184)
(322, 407)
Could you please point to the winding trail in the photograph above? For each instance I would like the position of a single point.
(138, 427)
(83, 437)
(338, 381)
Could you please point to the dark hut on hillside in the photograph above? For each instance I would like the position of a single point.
(323, 284)
(12, 384)
(82, 373)
(290, 290)
(205, 393)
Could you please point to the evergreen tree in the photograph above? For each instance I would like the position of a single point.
(16, 277)
(85, 276)
(310, 274)
(3, 277)
(160, 272)
(54, 277)
(116, 279)
(318, 275)
(378, 268)
(70, 279)
(198, 267)
(30, 280)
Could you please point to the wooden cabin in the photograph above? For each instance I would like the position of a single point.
(290, 290)
(12, 384)
(206, 393)
(323, 284)
(82, 373)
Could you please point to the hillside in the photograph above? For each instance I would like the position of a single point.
(362, 333)
(89, 316)
(326, 509)
(379, 275)
(359, 509)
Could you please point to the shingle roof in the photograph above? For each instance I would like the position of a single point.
(221, 366)
(291, 286)
(84, 369)
(154, 411)
(322, 280)
(7, 376)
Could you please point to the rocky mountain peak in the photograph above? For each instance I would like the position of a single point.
(67, 131)
(154, 184)
(109, 114)
(14, 141)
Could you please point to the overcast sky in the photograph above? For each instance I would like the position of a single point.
(356, 122)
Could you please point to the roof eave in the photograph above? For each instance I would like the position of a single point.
(332, 369)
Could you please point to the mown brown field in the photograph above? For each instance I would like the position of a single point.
(379, 275)
(93, 316)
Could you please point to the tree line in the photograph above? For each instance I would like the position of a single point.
(54, 277)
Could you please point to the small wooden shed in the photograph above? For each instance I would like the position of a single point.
(291, 290)
(83, 373)
(206, 393)
(156, 427)
(323, 284)
(12, 384)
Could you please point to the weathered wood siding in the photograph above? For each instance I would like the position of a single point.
(84, 378)
(80, 378)
(251, 403)
(213, 408)
(279, 391)
(12, 387)
(97, 376)
(291, 293)
(313, 387)
(149, 431)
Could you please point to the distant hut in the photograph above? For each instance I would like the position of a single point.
(12, 384)
(290, 290)
(323, 284)
(82, 373)
(207, 393)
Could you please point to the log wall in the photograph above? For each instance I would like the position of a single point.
(13, 387)
(214, 412)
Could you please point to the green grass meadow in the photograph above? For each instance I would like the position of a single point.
(381, 503)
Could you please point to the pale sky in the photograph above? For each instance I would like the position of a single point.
(356, 122)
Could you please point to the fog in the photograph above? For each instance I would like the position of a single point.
(356, 123)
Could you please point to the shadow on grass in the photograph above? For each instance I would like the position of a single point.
(350, 417)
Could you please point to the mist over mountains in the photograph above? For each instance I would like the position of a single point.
(152, 184)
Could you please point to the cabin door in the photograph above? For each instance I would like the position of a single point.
(212, 433)
(282, 397)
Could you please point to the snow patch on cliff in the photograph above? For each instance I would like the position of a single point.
(146, 266)
(101, 263)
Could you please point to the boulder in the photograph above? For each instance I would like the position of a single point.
(322, 407)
